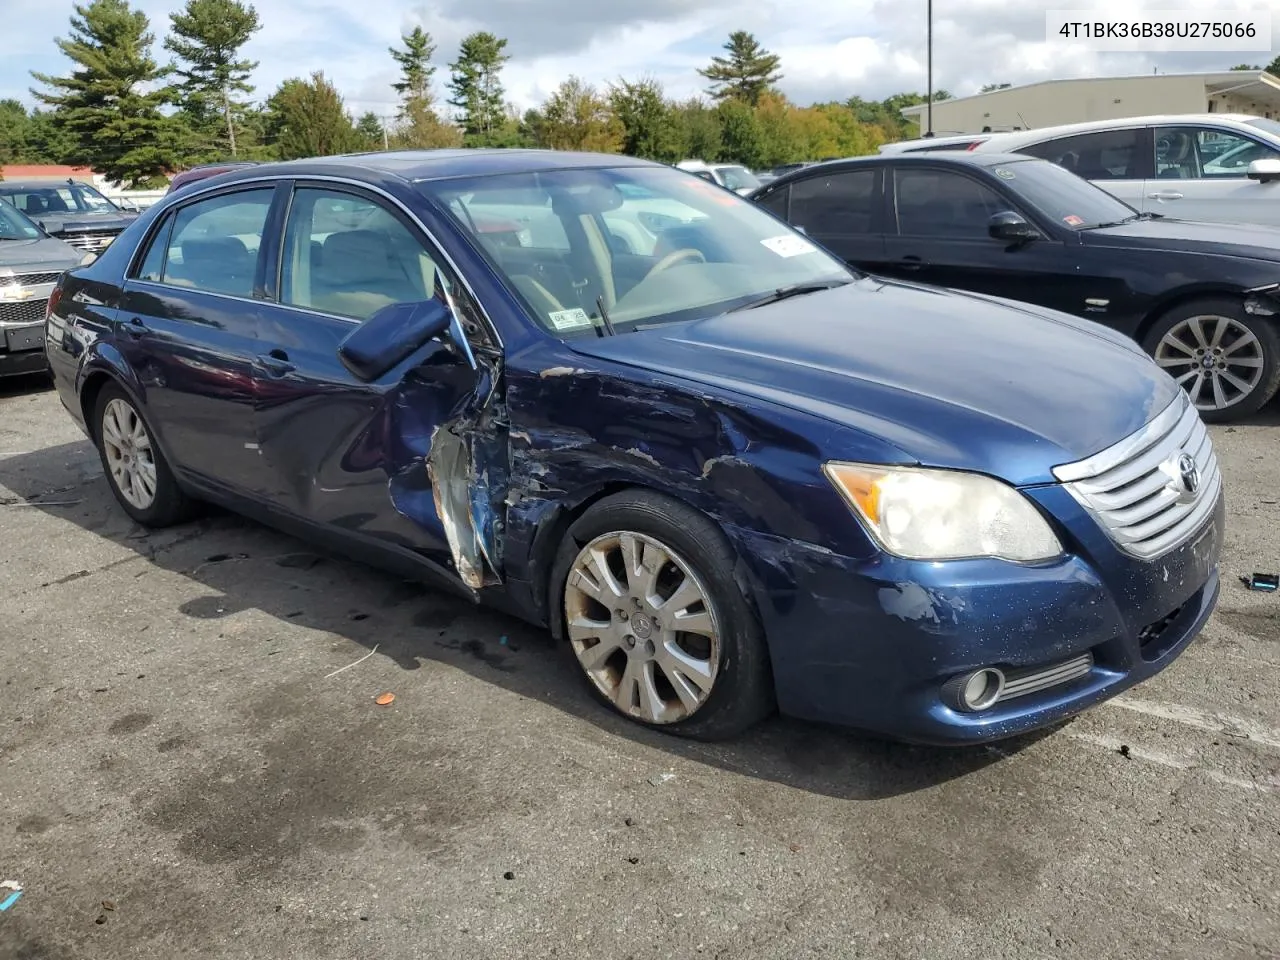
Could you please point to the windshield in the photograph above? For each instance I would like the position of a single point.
(650, 244)
(738, 178)
(1268, 126)
(57, 198)
(1062, 196)
(14, 226)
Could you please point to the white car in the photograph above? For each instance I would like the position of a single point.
(1208, 166)
(731, 176)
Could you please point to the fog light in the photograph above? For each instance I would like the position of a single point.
(975, 691)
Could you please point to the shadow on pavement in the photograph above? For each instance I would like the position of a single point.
(246, 566)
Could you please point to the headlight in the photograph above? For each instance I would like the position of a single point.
(927, 514)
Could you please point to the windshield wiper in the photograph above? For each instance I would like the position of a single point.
(1133, 219)
(604, 315)
(794, 290)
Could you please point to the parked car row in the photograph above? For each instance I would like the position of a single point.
(730, 472)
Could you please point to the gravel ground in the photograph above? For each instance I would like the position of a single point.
(181, 776)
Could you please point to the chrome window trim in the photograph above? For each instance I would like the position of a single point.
(190, 194)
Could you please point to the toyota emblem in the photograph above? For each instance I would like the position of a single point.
(1189, 475)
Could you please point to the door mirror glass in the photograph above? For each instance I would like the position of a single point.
(392, 335)
(1008, 225)
(1264, 170)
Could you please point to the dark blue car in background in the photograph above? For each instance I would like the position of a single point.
(623, 403)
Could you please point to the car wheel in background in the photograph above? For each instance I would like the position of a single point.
(1227, 360)
(657, 620)
(138, 473)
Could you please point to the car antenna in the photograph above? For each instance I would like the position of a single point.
(604, 315)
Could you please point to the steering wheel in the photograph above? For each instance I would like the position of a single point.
(676, 256)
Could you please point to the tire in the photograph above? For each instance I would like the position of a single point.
(709, 681)
(1248, 353)
(127, 447)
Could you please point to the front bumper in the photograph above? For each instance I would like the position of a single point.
(869, 644)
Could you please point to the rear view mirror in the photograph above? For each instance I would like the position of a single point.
(1264, 170)
(391, 335)
(1011, 227)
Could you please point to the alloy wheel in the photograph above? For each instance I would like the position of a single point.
(1216, 359)
(643, 626)
(129, 455)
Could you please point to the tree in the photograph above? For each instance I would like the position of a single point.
(206, 38)
(419, 127)
(1248, 66)
(371, 129)
(741, 134)
(986, 88)
(747, 72)
(1273, 67)
(577, 117)
(110, 104)
(646, 118)
(14, 125)
(308, 119)
(416, 69)
(477, 88)
(696, 130)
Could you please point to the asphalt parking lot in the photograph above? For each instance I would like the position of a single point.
(183, 774)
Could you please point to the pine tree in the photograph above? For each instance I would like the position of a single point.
(109, 106)
(308, 119)
(477, 88)
(747, 72)
(207, 37)
(416, 70)
(370, 128)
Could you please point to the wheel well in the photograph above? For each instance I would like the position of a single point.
(89, 399)
(1178, 300)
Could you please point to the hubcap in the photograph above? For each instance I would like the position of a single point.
(643, 627)
(1217, 360)
(129, 456)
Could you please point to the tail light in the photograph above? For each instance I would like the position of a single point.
(53, 301)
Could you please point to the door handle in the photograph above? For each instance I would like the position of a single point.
(911, 263)
(136, 328)
(1165, 195)
(276, 363)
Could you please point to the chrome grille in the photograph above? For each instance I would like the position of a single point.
(1019, 683)
(94, 242)
(29, 279)
(1135, 488)
(29, 311)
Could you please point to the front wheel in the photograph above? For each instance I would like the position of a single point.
(657, 621)
(138, 473)
(1227, 360)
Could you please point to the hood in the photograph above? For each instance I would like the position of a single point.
(37, 256)
(950, 379)
(80, 222)
(1221, 239)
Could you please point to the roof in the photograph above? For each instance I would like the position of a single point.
(1227, 79)
(444, 164)
(962, 158)
(1037, 134)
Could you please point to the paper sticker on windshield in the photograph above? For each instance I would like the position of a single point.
(1072, 220)
(575, 319)
(789, 245)
(1004, 174)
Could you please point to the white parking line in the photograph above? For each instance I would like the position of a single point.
(1211, 722)
(1174, 763)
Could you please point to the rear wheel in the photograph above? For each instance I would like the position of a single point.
(657, 621)
(137, 471)
(1227, 360)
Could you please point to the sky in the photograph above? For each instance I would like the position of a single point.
(830, 49)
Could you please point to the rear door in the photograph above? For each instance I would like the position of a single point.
(1118, 161)
(188, 327)
(351, 454)
(1201, 173)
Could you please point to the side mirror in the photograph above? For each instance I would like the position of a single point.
(1264, 170)
(1010, 227)
(391, 335)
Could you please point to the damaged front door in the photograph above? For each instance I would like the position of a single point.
(413, 460)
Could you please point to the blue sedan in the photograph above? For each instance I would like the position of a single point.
(617, 401)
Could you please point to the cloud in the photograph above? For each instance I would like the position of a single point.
(830, 51)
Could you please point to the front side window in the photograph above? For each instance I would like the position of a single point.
(1105, 155)
(349, 256)
(944, 205)
(1203, 153)
(838, 203)
(705, 250)
(211, 245)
